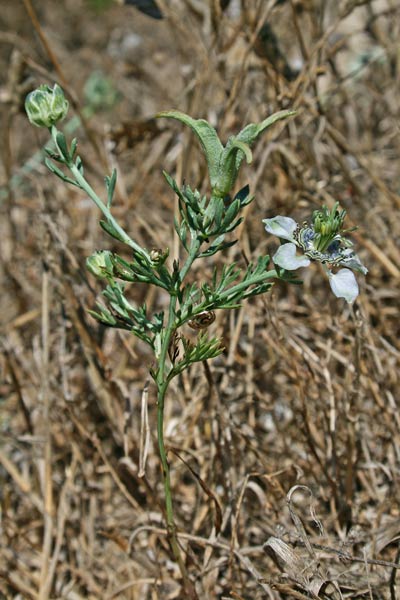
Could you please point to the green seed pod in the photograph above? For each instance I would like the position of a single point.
(45, 106)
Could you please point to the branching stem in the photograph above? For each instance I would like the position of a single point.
(84, 185)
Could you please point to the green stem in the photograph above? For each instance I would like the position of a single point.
(162, 382)
(193, 253)
(169, 510)
(37, 157)
(166, 474)
(246, 284)
(84, 185)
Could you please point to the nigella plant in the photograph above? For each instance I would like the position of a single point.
(202, 224)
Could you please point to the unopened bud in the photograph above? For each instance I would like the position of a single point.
(100, 265)
(158, 256)
(46, 106)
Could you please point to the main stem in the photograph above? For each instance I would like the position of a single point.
(162, 382)
(162, 386)
(166, 474)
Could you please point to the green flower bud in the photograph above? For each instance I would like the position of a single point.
(45, 106)
(159, 256)
(100, 265)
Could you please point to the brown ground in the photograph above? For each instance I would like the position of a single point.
(307, 391)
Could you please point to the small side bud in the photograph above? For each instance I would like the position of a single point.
(46, 106)
(100, 265)
(158, 256)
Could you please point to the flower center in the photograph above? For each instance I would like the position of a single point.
(327, 225)
(322, 240)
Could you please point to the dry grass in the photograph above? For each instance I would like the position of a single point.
(291, 438)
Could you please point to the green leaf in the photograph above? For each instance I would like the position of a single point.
(204, 349)
(192, 199)
(104, 316)
(228, 276)
(109, 228)
(209, 213)
(171, 182)
(207, 136)
(217, 248)
(62, 146)
(58, 172)
(122, 269)
(243, 195)
(239, 145)
(250, 133)
(74, 145)
(165, 277)
(257, 290)
(79, 164)
(54, 155)
(235, 224)
(54, 169)
(238, 148)
(110, 185)
(181, 230)
(192, 219)
(230, 214)
(219, 212)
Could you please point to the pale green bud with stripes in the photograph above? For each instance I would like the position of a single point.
(45, 106)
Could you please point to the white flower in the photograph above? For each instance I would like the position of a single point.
(319, 241)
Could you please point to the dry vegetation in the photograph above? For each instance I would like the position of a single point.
(292, 437)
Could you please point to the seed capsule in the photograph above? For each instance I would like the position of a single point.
(202, 320)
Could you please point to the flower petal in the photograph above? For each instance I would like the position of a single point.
(344, 285)
(282, 227)
(286, 258)
(351, 260)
